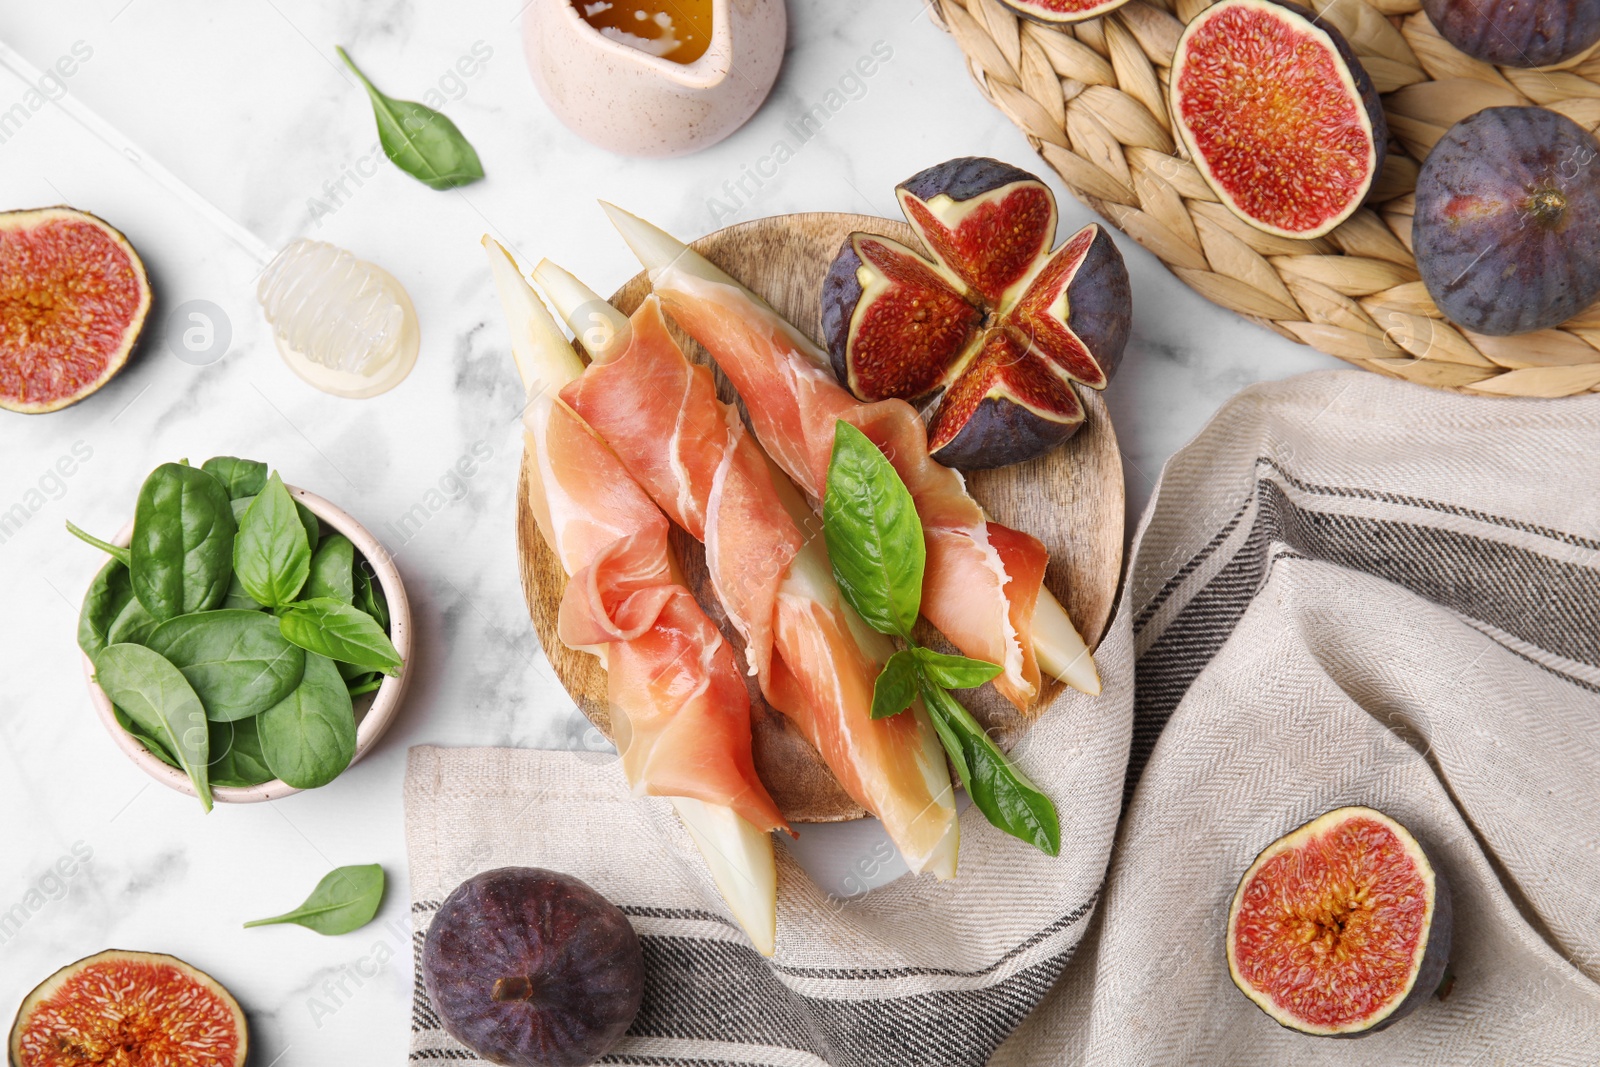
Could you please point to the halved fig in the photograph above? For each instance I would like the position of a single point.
(73, 301)
(118, 1007)
(1062, 11)
(1277, 114)
(1340, 927)
(990, 320)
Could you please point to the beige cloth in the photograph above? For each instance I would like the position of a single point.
(1347, 590)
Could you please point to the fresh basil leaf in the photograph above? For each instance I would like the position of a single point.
(874, 537)
(156, 698)
(182, 547)
(346, 899)
(151, 745)
(369, 594)
(1001, 792)
(420, 141)
(896, 686)
(240, 477)
(309, 738)
(237, 661)
(117, 552)
(236, 758)
(954, 672)
(333, 567)
(308, 518)
(340, 632)
(272, 554)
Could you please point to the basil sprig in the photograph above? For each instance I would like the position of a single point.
(420, 141)
(874, 539)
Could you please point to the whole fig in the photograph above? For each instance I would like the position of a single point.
(533, 968)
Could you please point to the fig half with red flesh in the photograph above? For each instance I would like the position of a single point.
(1340, 927)
(990, 321)
(1278, 115)
(121, 1008)
(73, 301)
(1062, 11)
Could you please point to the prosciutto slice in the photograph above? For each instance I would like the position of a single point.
(680, 713)
(815, 660)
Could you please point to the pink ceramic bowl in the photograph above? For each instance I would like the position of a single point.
(374, 711)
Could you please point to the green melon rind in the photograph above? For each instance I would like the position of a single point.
(48, 988)
(30, 217)
(1433, 954)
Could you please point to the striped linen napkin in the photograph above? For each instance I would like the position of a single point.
(1346, 591)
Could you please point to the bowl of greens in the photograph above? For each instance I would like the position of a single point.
(246, 639)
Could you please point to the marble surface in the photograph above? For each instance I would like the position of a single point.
(245, 103)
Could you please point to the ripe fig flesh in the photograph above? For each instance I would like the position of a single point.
(73, 302)
(990, 320)
(119, 1007)
(1340, 927)
(1278, 115)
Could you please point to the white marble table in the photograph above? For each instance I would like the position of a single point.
(245, 103)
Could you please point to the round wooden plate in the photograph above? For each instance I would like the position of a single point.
(1071, 499)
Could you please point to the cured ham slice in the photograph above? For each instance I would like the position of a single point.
(983, 582)
(680, 712)
(815, 659)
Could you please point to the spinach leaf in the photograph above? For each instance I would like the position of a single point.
(151, 745)
(420, 141)
(369, 594)
(107, 597)
(181, 554)
(236, 758)
(1003, 793)
(874, 537)
(240, 477)
(111, 614)
(237, 661)
(238, 599)
(954, 672)
(309, 738)
(272, 554)
(117, 552)
(156, 698)
(333, 567)
(897, 686)
(346, 899)
(340, 632)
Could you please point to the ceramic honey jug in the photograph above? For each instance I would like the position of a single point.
(623, 98)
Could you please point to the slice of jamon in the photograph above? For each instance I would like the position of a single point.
(816, 660)
(989, 611)
(680, 712)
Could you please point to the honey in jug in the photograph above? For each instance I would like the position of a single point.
(679, 30)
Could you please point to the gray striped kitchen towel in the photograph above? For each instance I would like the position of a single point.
(1346, 590)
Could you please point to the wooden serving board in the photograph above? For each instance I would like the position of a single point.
(1071, 499)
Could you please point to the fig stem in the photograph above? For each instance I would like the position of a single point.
(518, 987)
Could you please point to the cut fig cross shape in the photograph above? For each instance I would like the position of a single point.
(989, 325)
